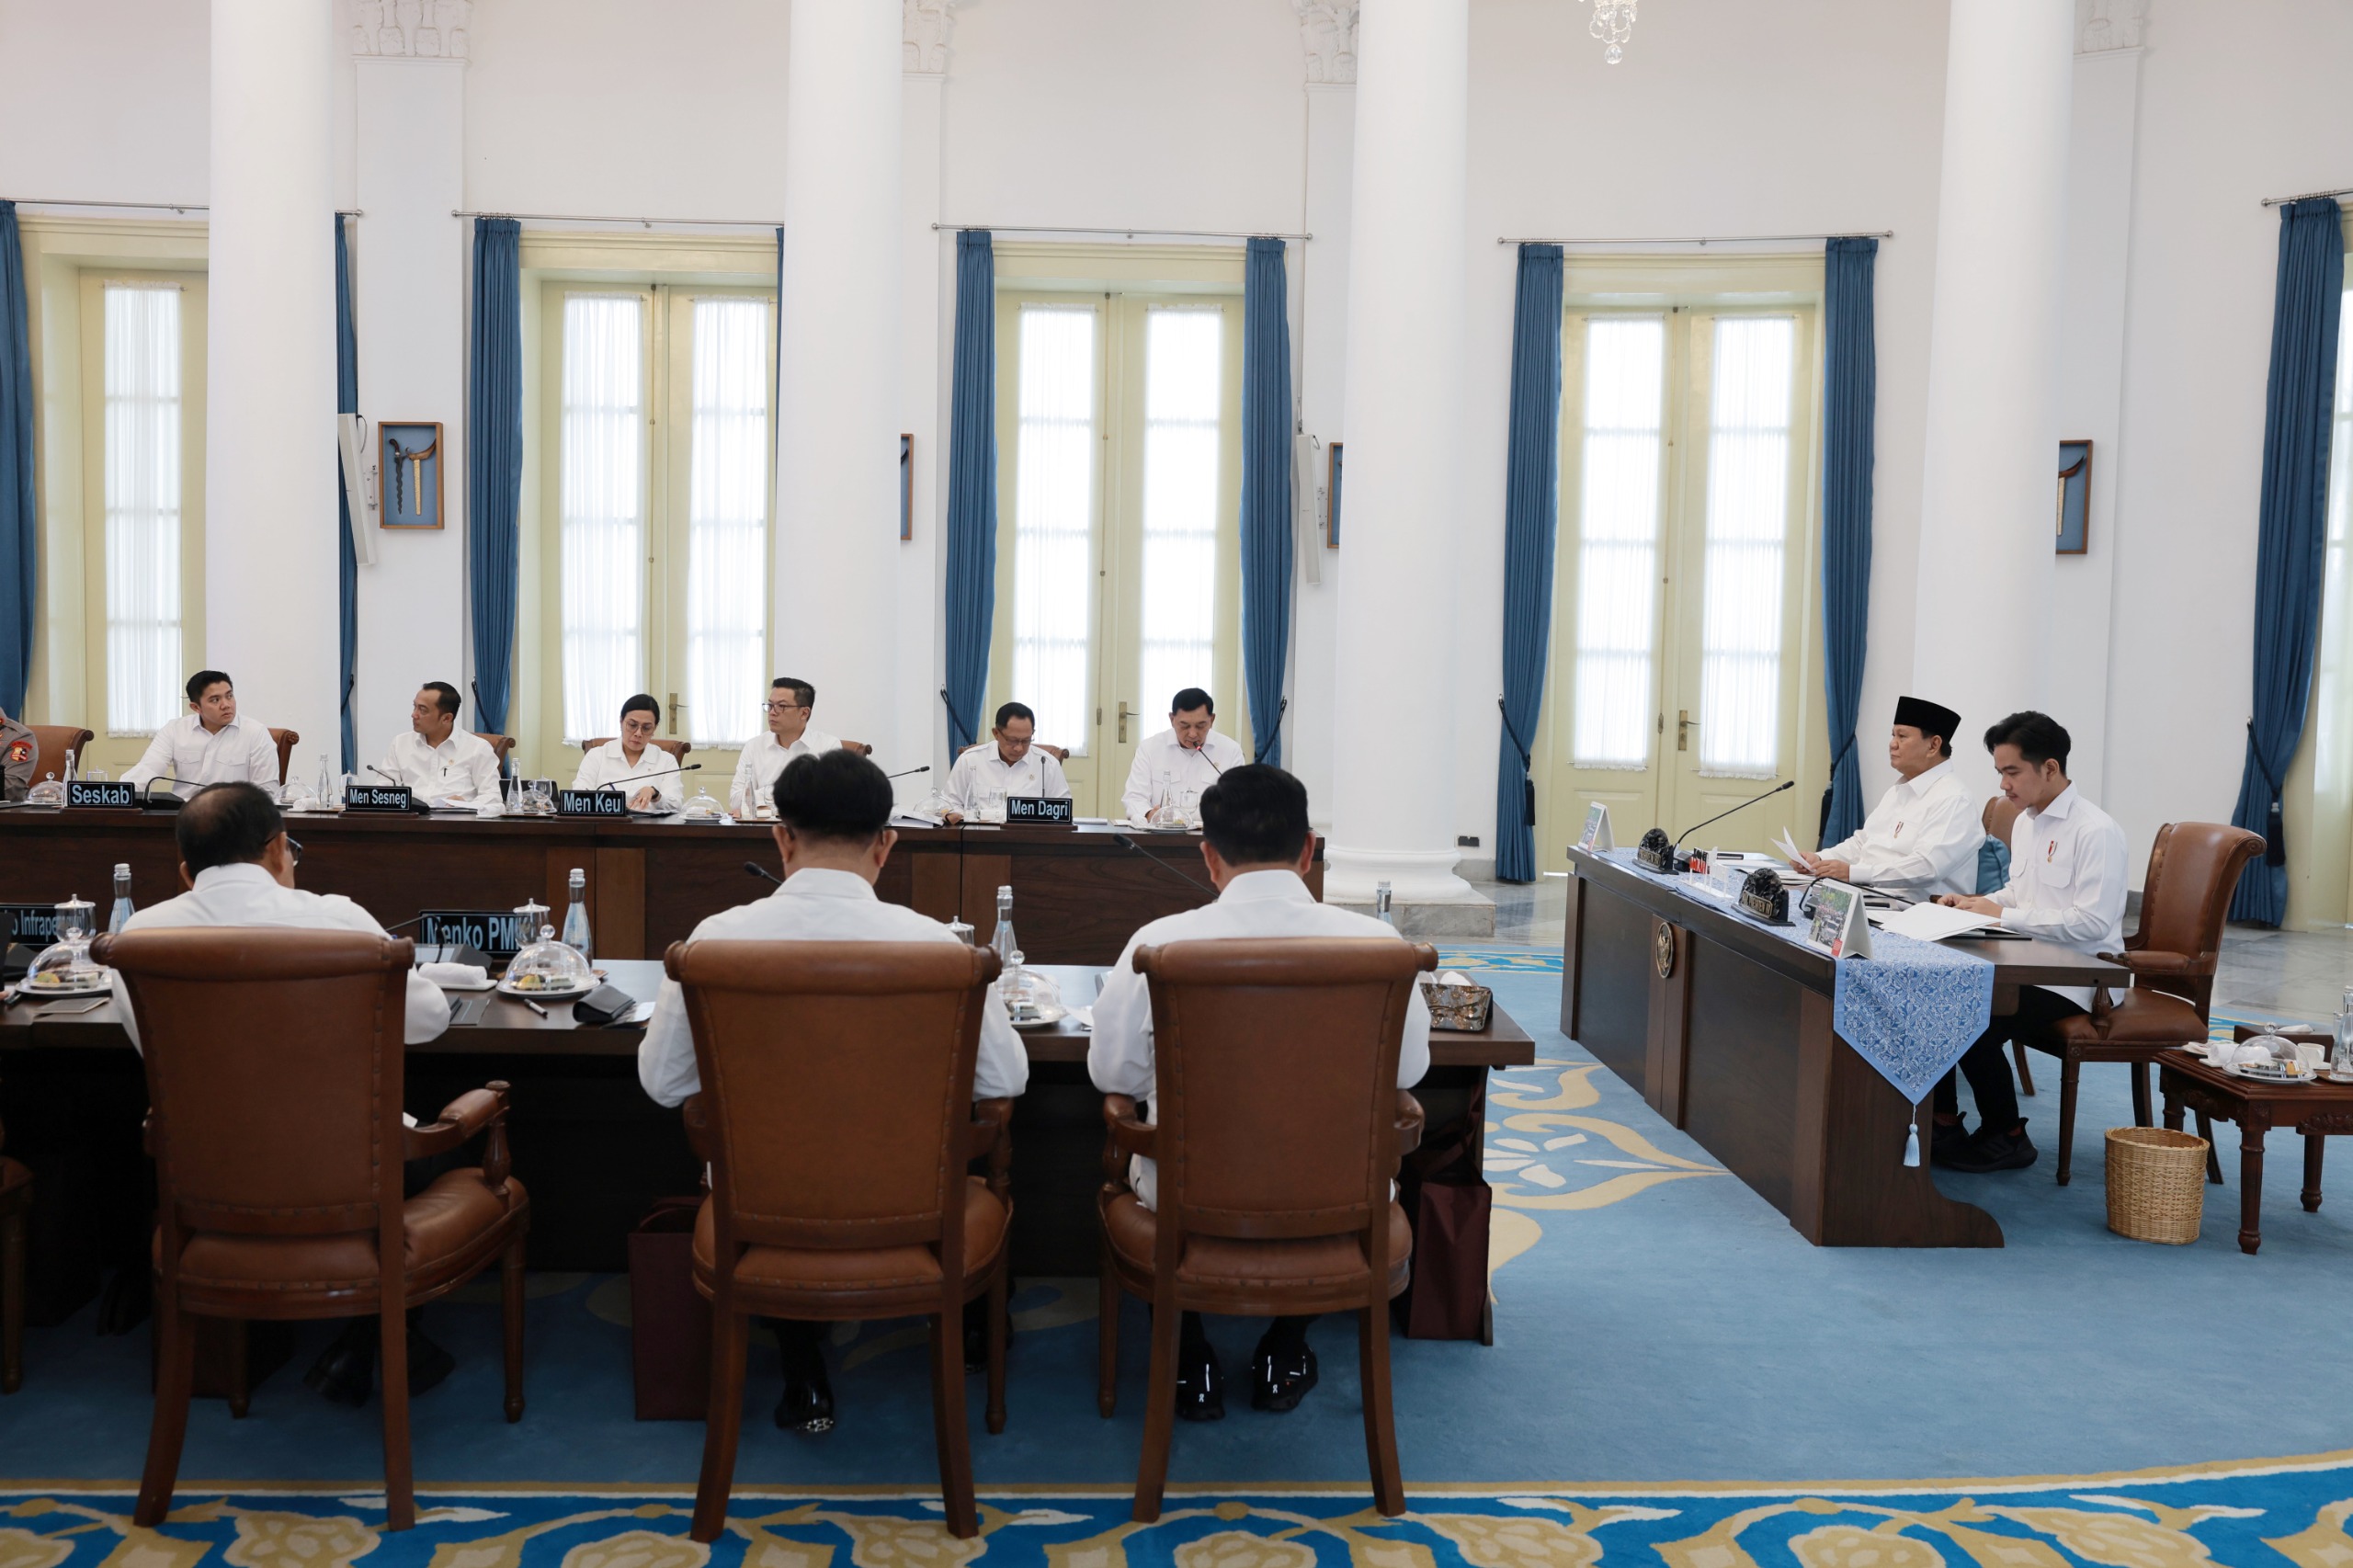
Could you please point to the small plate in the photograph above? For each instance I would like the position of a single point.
(574, 994)
(31, 993)
(2237, 1072)
(1047, 1019)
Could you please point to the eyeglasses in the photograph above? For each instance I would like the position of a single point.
(785, 706)
(293, 850)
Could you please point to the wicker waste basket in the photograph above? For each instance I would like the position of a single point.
(2156, 1184)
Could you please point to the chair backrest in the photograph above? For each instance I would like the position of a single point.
(274, 1075)
(677, 749)
(499, 746)
(1276, 1068)
(1999, 816)
(2193, 868)
(838, 1087)
(55, 741)
(287, 740)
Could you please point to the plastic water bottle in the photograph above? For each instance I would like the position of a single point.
(575, 919)
(122, 906)
(1380, 906)
(326, 787)
(1002, 941)
(2340, 1056)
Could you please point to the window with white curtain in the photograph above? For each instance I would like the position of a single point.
(728, 513)
(1625, 369)
(603, 509)
(1184, 351)
(1748, 507)
(143, 507)
(1053, 602)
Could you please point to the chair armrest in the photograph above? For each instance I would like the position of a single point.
(1060, 754)
(991, 1136)
(858, 747)
(1124, 1136)
(697, 1117)
(1410, 1122)
(463, 1120)
(2143, 961)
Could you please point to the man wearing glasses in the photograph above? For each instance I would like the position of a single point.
(788, 734)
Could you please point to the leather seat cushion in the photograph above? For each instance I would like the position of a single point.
(1227, 1263)
(913, 1268)
(12, 1175)
(444, 1222)
(2140, 1016)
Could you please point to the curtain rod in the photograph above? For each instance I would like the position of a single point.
(1129, 234)
(1702, 239)
(2308, 196)
(645, 222)
(147, 206)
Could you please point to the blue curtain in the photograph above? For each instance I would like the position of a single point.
(1266, 493)
(1849, 402)
(2292, 533)
(494, 463)
(346, 401)
(971, 488)
(20, 526)
(1531, 510)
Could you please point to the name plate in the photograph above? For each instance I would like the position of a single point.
(500, 933)
(379, 797)
(110, 795)
(33, 925)
(1037, 809)
(591, 803)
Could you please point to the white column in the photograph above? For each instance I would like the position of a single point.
(270, 606)
(1981, 640)
(928, 292)
(1393, 757)
(839, 417)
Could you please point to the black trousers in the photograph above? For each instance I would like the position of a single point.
(1988, 1064)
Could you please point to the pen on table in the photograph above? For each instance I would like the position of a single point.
(65, 1011)
(535, 1006)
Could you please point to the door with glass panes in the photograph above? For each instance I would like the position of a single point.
(1120, 472)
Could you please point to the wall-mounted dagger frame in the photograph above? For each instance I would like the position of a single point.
(409, 465)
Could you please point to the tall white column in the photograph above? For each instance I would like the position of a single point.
(928, 292)
(1981, 639)
(839, 417)
(1393, 763)
(270, 604)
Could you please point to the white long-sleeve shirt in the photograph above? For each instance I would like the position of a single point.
(460, 771)
(239, 752)
(983, 771)
(763, 759)
(2067, 877)
(247, 894)
(1255, 904)
(1921, 837)
(1164, 770)
(609, 763)
(817, 905)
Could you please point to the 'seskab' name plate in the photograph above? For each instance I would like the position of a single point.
(110, 795)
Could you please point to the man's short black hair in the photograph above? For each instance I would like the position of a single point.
(835, 795)
(204, 681)
(1255, 815)
(445, 696)
(226, 824)
(1192, 697)
(2039, 737)
(641, 703)
(1012, 710)
(804, 694)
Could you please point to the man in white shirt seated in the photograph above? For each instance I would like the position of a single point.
(444, 765)
(2067, 877)
(1257, 846)
(1006, 765)
(238, 865)
(1187, 757)
(633, 754)
(1923, 835)
(790, 735)
(209, 743)
(833, 812)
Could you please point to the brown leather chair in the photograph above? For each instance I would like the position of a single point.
(500, 745)
(1060, 754)
(55, 741)
(677, 749)
(275, 1072)
(1999, 815)
(858, 747)
(2193, 867)
(15, 1198)
(1279, 1133)
(835, 1078)
(287, 740)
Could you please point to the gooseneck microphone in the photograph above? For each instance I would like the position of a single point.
(613, 785)
(906, 771)
(1788, 784)
(1126, 843)
(762, 871)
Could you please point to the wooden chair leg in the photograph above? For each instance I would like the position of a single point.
(400, 1476)
(1107, 1337)
(722, 1420)
(240, 1346)
(949, 1422)
(2214, 1160)
(2069, 1070)
(1379, 1429)
(12, 1301)
(1000, 1327)
(2141, 1116)
(1159, 1409)
(174, 1373)
(511, 1301)
(2026, 1073)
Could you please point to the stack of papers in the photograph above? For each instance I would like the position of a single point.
(1933, 922)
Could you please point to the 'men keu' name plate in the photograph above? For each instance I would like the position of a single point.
(591, 803)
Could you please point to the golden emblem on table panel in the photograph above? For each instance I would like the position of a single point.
(1662, 949)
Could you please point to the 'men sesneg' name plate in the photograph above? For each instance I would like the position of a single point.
(378, 798)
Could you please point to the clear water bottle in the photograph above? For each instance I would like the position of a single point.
(575, 919)
(1002, 941)
(69, 774)
(327, 785)
(2340, 1056)
(123, 910)
(1380, 911)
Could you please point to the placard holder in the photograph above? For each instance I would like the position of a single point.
(1596, 836)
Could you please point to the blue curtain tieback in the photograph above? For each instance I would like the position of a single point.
(2275, 820)
(1527, 763)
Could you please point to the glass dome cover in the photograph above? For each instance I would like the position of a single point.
(50, 792)
(550, 968)
(702, 805)
(65, 966)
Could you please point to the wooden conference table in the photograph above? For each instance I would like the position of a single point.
(1723, 1025)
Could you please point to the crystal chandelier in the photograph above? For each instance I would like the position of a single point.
(1613, 23)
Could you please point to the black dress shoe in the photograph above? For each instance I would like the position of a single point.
(1280, 1374)
(808, 1402)
(346, 1373)
(428, 1364)
(1200, 1383)
(130, 1296)
(1947, 1141)
(1990, 1151)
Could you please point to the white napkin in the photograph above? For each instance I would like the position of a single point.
(2228, 1055)
(1453, 977)
(465, 976)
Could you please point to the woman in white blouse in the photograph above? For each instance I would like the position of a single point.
(634, 755)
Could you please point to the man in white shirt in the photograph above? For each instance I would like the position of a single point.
(633, 754)
(788, 734)
(1257, 846)
(1007, 765)
(1187, 756)
(444, 765)
(2067, 885)
(209, 743)
(832, 812)
(1923, 835)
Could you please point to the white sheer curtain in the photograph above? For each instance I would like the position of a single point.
(2328, 707)
(1625, 379)
(603, 501)
(142, 491)
(1183, 352)
(1748, 506)
(1053, 521)
(728, 523)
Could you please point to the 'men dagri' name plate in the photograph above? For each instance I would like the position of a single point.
(1037, 809)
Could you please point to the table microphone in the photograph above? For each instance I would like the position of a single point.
(1126, 843)
(1786, 784)
(1661, 856)
(904, 772)
(759, 871)
(614, 786)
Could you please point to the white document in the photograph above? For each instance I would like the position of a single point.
(1934, 922)
(1788, 849)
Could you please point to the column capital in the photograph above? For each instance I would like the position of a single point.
(927, 26)
(412, 30)
(1327, 31)
(2103, 26)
